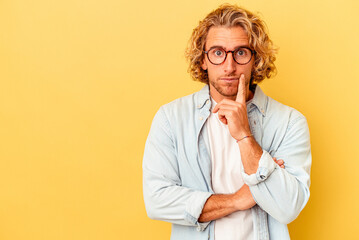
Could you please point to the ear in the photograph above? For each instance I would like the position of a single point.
(204, 65)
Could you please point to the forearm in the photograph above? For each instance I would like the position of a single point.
(218, 206)
(172, 203)
(251, 153)
(282, 195)
(221, 205)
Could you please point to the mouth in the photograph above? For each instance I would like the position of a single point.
(229, 79)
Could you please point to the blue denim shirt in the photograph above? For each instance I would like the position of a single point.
(177, 166)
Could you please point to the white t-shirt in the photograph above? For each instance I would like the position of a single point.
(227, 178)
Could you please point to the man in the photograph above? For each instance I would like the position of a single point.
(210, 163)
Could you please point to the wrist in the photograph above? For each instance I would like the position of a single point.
(242, 133)
(244, 137)
(243, 199)
(237, 205)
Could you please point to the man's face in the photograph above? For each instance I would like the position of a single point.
(224, 78)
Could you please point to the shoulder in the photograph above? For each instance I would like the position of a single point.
(277, 110)
(274, 112)
(283, 126)
(179, 104)
(171, 114)
(185, 106)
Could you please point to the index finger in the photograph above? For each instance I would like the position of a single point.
(241, 93)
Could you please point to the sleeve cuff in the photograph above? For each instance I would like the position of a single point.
(194, 208)
(266, 166)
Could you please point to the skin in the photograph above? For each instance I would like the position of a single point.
(224, 78)
(229, 87)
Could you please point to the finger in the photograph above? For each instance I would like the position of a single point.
(227, 108)
(223, 119)
(228, 102)
(225, 103)
(280, 162)
(225, 113)
(222, 116)
(241, 93)
(216, 108)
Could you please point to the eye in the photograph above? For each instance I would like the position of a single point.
(242, 52)
(218, 52)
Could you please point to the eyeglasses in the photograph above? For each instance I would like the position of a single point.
(241, 55)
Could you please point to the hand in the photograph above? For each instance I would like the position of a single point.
(280, 162)
(234, 113)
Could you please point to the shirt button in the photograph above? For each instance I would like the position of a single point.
(201, 118)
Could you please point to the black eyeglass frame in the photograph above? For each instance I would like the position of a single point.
(252, 53)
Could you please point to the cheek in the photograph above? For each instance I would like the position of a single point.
(246, 70)
(212, 72)
(252, 65)
(249, 68)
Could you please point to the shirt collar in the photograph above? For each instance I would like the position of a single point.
(203, 97)
(259, 99)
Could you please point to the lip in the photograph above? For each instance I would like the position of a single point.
(229, 79)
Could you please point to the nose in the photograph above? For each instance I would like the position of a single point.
(229, 65)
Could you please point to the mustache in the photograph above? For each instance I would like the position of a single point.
(230, 76)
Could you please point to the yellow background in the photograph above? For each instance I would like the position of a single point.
(80, 81)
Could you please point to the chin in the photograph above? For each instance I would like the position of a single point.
(226, 90)
(228, 93)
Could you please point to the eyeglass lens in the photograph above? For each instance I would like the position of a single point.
(240, 55)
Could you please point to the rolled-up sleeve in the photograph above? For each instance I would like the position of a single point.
(165, 198)
(266, 166)
(283, 193)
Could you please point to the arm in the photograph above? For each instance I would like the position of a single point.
(165, 197)
(221, 205)
(234, 114)
(282, 193)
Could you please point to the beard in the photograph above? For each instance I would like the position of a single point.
(225, 89)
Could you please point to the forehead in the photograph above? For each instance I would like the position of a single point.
(226, 37)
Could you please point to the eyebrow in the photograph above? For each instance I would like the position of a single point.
(219, 46)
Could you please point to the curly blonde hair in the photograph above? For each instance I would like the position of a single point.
(231, 16)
